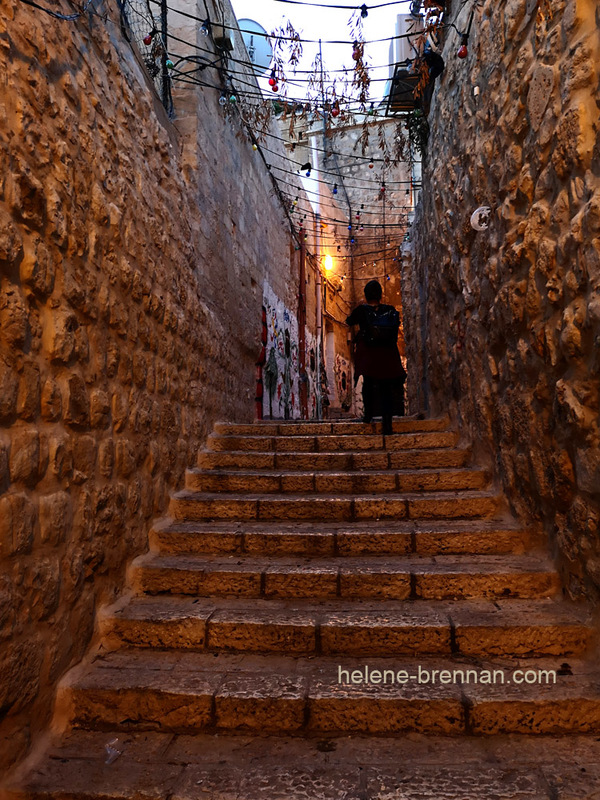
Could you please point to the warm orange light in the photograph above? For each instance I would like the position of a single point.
(328, 263)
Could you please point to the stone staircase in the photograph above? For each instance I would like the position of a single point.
(330, 614)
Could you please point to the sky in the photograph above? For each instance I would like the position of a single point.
(327, 23)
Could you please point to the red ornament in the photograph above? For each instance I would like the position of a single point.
(463, 51)
(335, 111)
(275, 88)
(148, 39)
(272, 82)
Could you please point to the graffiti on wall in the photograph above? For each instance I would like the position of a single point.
(311, 373)
(280, 370)
(343, 381)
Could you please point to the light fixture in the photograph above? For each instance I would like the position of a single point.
(328, 263)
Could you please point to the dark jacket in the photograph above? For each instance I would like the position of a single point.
(374, 361)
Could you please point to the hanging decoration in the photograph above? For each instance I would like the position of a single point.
(480, 218)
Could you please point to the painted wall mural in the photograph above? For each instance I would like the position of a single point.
(343, 381)
(280, 370)
(311, 373)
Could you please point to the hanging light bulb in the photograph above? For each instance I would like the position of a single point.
(205, 27)
(169, 64)
(255, 147)
(364, 11)
(273, 79)
(335, 188)
(232, 98)
(306, 167)
(328, 263)
(463, 50)
(371, 164)
(148, 38)
(223, 99)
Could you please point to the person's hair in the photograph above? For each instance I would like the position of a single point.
(373, 291)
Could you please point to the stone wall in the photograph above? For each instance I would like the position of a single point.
(131, 291)
(507, 328)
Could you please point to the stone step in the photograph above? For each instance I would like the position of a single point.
(372, 577)
(471, 537)
(194, 692)
(424, 480)
(154, 766)
(323, 507)
(512, 628)
(280, 428)
(329, 443)
(428, 458)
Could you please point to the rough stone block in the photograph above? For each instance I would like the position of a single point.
(17, 524)
(78, 404)
(9, 387)
(51, 401)
(25, 457)
(55, 517)
(28, 401)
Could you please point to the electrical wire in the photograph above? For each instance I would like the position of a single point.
(56, 14)
(291, 38)
(346, 8)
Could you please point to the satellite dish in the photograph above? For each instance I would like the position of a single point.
(257, 45)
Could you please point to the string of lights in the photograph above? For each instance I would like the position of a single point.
(343, 7)
(291, 38)
(364, 239)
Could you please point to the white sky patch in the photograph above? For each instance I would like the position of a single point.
(328, 24)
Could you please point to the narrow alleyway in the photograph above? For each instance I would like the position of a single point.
(330, 614)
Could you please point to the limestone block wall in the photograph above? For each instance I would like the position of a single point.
(503, 325)
(131, 290)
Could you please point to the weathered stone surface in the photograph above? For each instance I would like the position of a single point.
(504, 336)
(115, 331)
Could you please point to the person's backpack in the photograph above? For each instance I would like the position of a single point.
(382, 325)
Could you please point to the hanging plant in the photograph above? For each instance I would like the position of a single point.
(418, 131)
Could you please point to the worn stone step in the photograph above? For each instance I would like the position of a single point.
(333, 538)
(330, 443)
(185, 693)
(393, 578)
(362, 628)
(427, 458)
(323, 507)
(309, 482)
(280, 428)
(154, 765)
(323, 427)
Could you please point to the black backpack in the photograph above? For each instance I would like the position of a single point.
(381, 326)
